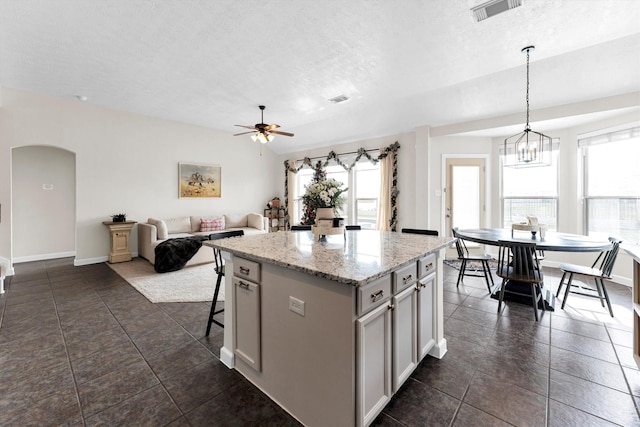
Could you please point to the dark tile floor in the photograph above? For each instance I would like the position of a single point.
(79, 346)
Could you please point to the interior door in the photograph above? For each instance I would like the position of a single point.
(465, 202)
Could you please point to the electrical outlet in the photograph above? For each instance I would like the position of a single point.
(296, 305)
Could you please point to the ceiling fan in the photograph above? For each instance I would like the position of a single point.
(263, 132)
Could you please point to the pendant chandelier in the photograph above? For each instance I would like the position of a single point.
(528, 148)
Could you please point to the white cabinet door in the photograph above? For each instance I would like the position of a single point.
(426, 321)
(373, 382)
(246, 322)
(405, 350)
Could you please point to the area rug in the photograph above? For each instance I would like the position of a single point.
(191, 284)
(471, 265)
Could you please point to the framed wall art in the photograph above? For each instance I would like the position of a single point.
(198, 180)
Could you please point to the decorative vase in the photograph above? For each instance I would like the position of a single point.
(325, 213)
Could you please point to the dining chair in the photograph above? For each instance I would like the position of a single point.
(353, 227)
(518, 266)
(300, 228)
(420, 231)
(217, 254)
(598, 274)
(467, 269)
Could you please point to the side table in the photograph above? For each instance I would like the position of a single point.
(120, 232)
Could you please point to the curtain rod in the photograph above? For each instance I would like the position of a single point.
(339, 154)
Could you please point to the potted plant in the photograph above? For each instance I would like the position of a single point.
(121, 217)
(323, 198)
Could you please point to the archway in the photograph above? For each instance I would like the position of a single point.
(43, 193)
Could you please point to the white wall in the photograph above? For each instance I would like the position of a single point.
(128, 163)
(44, 206)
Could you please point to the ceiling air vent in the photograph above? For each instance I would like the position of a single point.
(493, 7)
(338, 99)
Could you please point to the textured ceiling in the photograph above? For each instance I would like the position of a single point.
(403, 63)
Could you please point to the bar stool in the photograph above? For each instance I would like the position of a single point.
(217, 254)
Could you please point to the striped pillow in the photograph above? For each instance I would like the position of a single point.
(215, 224)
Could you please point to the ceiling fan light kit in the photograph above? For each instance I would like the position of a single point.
(261, 131)
(528, 148)
(263, 138)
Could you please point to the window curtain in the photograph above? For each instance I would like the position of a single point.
(386, 183)
(290, 182)
(390, 201)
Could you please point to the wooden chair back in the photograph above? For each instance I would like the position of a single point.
(518, 261)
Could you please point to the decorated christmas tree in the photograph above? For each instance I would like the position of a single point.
(320, 193)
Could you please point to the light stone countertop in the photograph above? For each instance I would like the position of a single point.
(356, 258)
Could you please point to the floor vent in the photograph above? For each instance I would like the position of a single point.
(493, 8)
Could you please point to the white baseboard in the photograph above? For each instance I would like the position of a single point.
(438, 351)
(227, 358)
(97, 260)
(87, 261)
(43, 257)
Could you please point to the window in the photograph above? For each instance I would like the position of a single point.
(531, 191)
(339, 174)
(366, 182)
(610, 183)
(363, 183)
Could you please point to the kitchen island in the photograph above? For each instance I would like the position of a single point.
(330, 330)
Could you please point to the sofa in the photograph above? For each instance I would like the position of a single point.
(154, 231)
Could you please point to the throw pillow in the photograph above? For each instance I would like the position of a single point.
(255, 221)
(181, 224)
(161, 228)
(235, 221)
(214, 224)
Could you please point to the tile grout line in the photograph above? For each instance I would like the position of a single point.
(624, 375)
(182, 414)
(66, 348)
(547, 406)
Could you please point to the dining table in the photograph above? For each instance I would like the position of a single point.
(552, 242)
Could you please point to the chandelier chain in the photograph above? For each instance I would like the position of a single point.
(527, 89)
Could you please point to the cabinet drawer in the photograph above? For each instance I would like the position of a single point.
(373, 294)
(426, 265)
(404, 277)
(246, 269)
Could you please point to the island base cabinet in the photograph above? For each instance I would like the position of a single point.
(404, 343)
(373, 379)
(426, 315)
(246, 300)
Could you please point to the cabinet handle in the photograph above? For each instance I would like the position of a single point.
(428, 267)
(244, 270)
(407, 279)
(377, 296)
(243, 285)
(391, 306)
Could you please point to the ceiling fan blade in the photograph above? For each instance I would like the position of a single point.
(248, 127)
(279, 132)
(272, 126)
(244, 133)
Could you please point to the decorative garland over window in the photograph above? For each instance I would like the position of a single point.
(393, 148)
